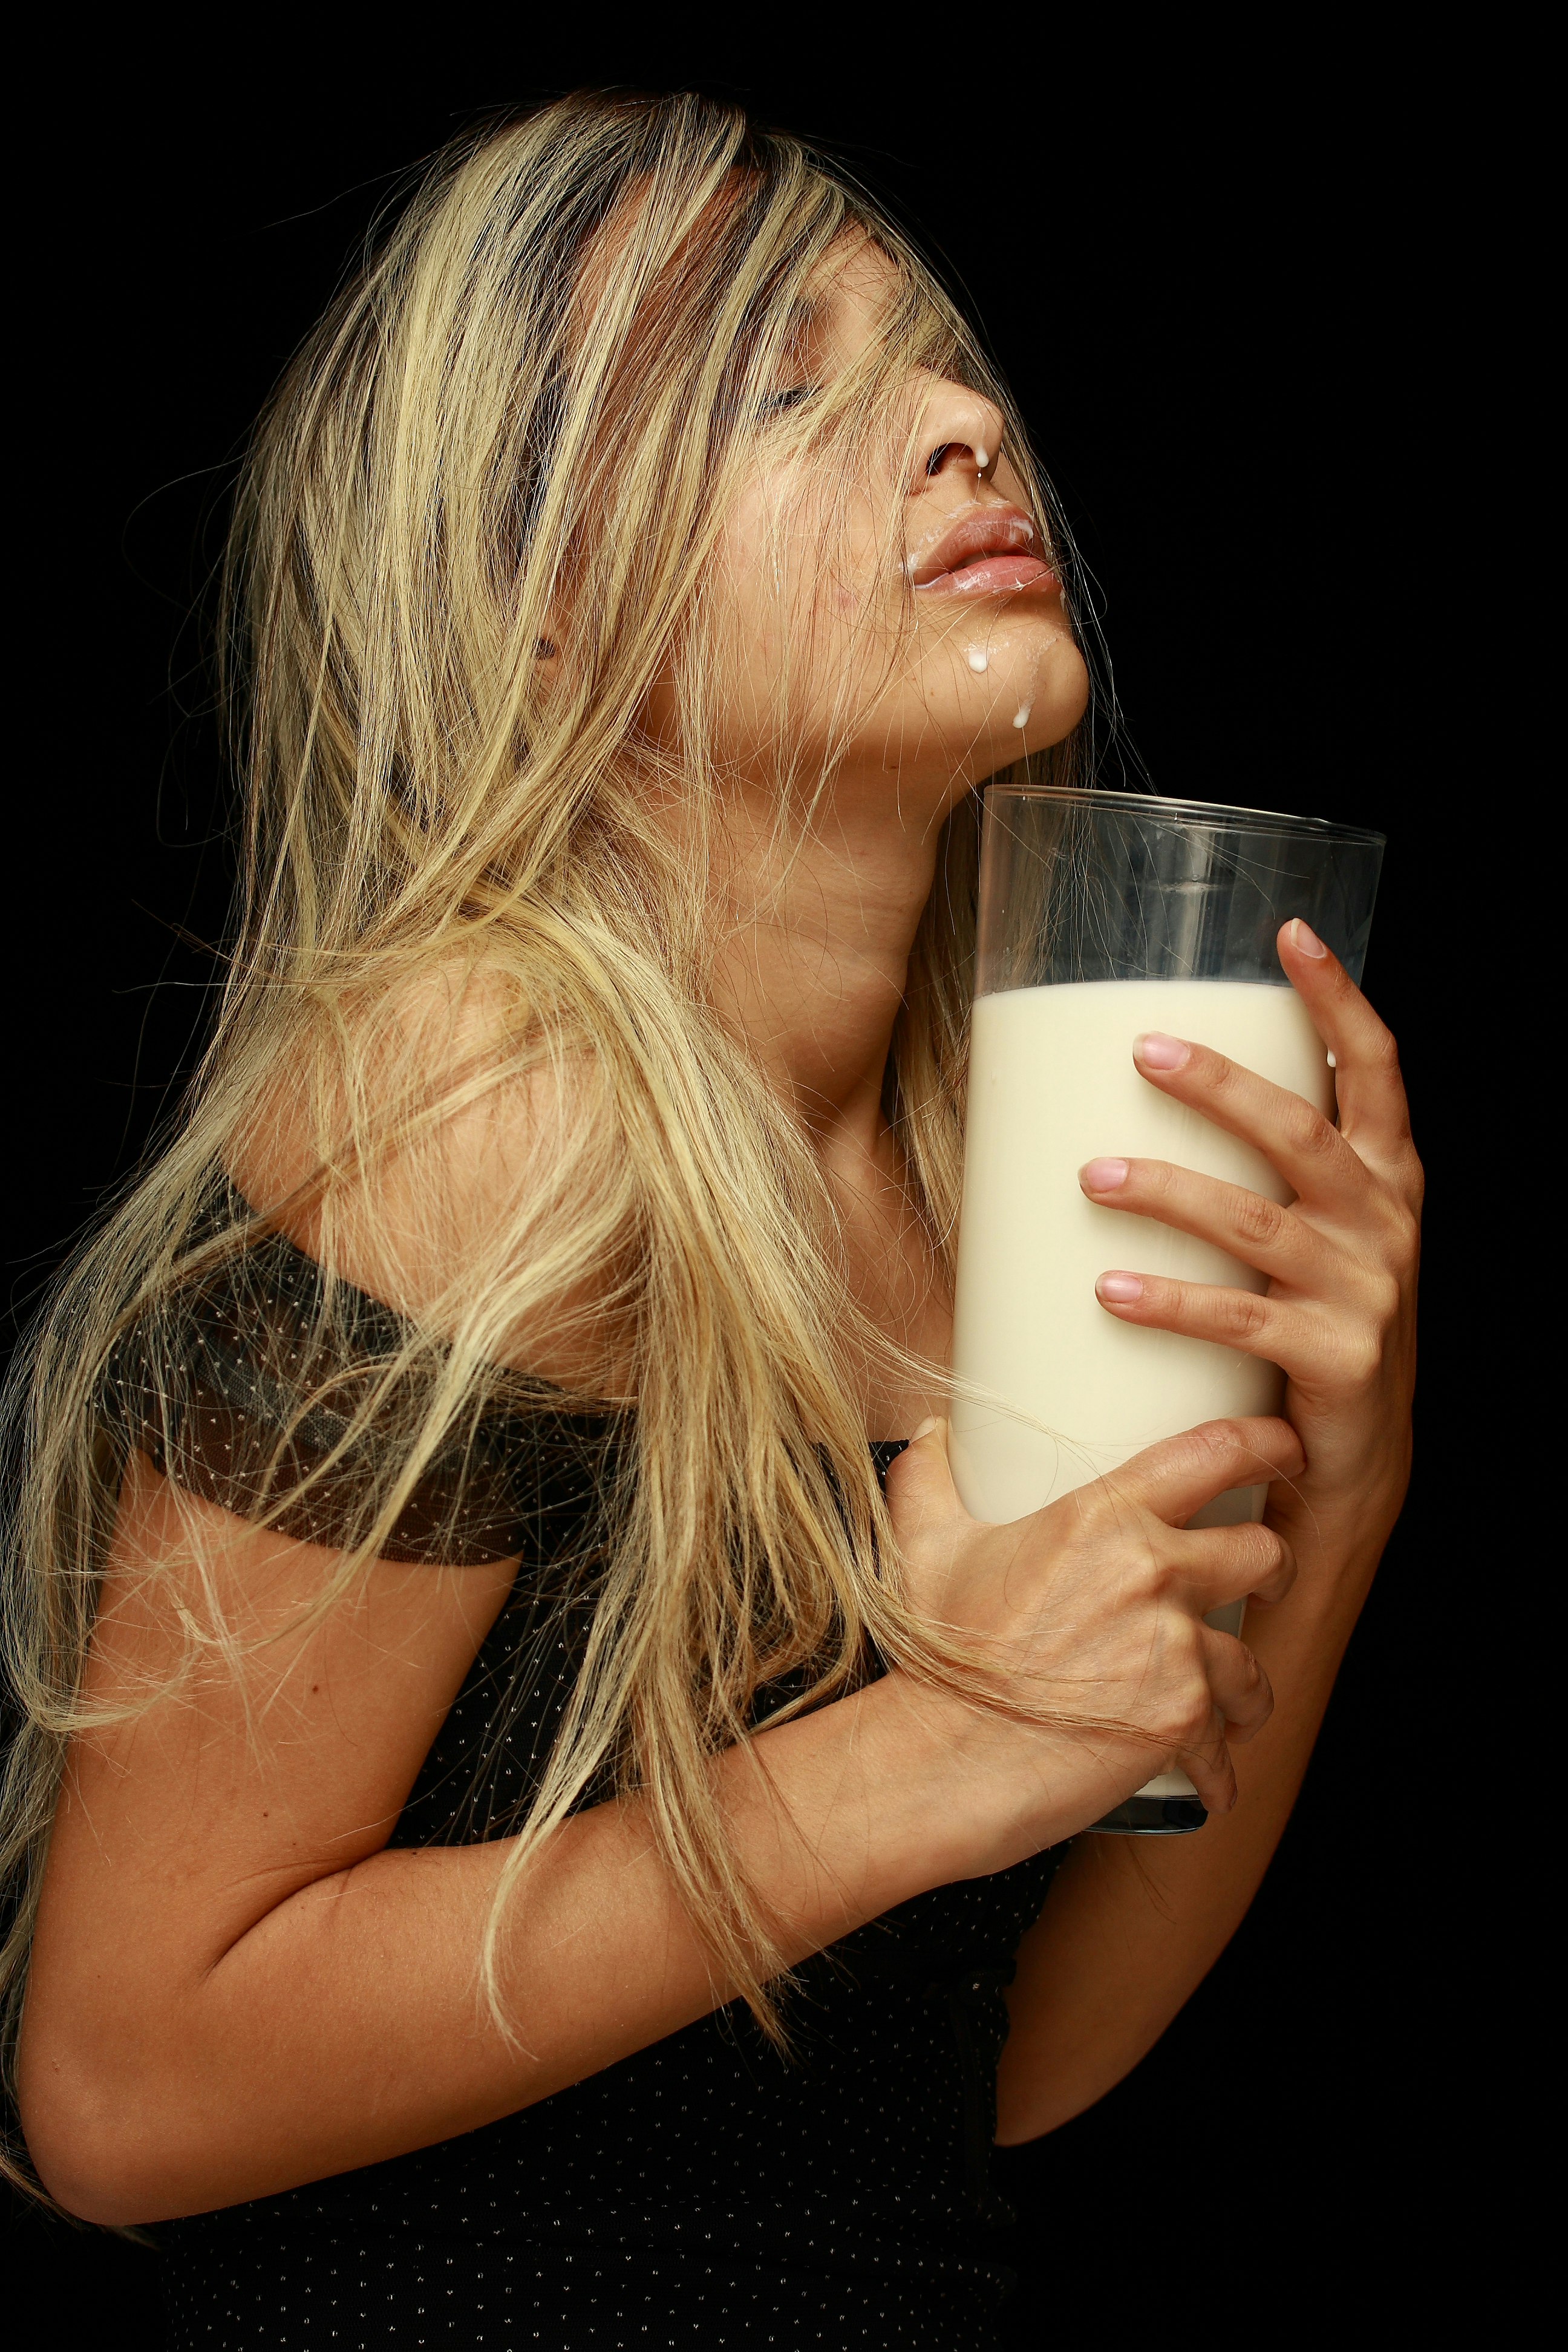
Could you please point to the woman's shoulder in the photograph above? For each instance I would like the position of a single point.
(431, 1144)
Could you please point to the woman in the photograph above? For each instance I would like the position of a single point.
(520, 1840)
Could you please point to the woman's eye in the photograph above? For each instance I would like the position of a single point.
(777, 403)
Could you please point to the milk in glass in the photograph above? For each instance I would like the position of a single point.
(1052, 1083)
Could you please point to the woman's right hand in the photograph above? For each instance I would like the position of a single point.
(1089, 1617)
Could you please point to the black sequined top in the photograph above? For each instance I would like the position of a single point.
(704, 2190)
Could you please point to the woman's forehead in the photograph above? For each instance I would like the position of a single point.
(852, 290)
(844, 312)
(840, 309)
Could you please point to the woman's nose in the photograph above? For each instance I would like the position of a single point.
(960, 431)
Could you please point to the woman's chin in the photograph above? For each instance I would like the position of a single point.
(1043, 703)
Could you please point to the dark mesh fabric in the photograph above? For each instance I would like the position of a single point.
(266, 1388)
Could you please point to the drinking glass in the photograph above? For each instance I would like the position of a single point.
(1103, 914)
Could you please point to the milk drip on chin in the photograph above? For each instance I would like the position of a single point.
(1026, 701)
(978, 658)
(1022, 715)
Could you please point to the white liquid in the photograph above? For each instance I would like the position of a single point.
(1052, 1083)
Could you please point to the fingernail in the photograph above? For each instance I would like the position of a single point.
(1160, 1052)
(923, 1431)
(1102, 1175)
(1305, 939)
(1119, 1289)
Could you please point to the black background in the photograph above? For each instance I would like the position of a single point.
(1232, 289)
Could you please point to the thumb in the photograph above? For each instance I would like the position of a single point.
(920, 1491)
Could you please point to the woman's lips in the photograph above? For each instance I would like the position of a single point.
(989, 551)
(992, 575)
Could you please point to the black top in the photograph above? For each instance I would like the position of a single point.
(704, 2190)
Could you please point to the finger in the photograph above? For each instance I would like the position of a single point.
(1242, 1691)
(1315, 1159)
(1209, 1769)
(1304, 1343)
(1219, 1565)
(1180, 1474)
(1374, 1112)
(1246, 1224)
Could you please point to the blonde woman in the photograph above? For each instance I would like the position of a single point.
(517, 1838)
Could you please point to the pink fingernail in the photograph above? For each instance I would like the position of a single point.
(1119, 1289)
(1102, 1175)
(1160, 1053)
(1305, 940)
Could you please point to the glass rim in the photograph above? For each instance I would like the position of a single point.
(1213, 814)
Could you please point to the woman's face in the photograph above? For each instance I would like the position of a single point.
(917, 629)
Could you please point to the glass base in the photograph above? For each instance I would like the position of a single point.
(1153, 1817)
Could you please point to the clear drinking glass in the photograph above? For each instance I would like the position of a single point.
(1104, 914)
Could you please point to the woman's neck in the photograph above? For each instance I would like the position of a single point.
(812, 961)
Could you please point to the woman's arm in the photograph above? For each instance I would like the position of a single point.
(237, 1989)
(1129, 1932)
(1133, 1926)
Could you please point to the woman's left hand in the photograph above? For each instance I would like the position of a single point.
(1340, 1260)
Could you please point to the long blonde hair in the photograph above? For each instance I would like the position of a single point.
(545, 385)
